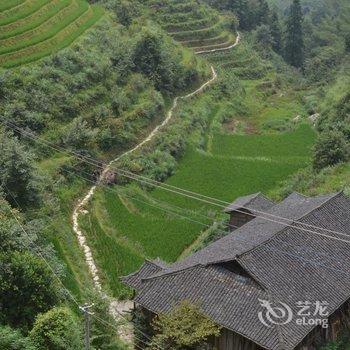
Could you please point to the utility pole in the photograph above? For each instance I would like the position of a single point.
(85, 309)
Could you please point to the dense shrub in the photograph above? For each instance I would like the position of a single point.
(347, 42)
(17, 172)
(185, 327)
(322, 65)
(57, 329)
(11, 339)
(264, 37)
(63, 94)
(126, 11)
(153, 57)
(331, 148)
(26, 289)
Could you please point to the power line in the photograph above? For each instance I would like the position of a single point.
(85, 307)
(166, 205)
(269, 248)
(39, 252)
(106, 323)
(183, 192)
(254, 215)
(177, 190)
(225, 232)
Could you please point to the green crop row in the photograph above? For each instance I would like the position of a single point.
(8, 4)
(189, 25)
(219, 44)
(59, 41)
(199, 34)
(47, 30)
(23, 10)
(227, 179)
(34, 20)
(127, 229)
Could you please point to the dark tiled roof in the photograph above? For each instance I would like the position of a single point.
(221, 294)
(256, 201)
(276, 258)
(252, 233)
(293, 277)
(149, 268)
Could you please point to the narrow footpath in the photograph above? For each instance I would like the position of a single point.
(117, 308)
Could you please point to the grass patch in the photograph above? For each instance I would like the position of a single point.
(297, 143)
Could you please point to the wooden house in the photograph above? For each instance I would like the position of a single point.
(257, 281)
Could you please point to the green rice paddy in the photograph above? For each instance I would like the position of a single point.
(32, 29)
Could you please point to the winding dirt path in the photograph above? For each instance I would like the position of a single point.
(117, 307)
(238, 39)
(80, 208)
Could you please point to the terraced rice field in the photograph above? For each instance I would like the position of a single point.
(131, 226)
(32, 29)
(193, 24)
(125, 226)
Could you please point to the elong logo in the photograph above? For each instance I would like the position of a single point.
(308, 314)
(273, 314)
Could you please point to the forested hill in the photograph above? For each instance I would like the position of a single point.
(221, 97)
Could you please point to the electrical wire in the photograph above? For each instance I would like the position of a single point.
(225, 232)
(160, 185)
(56, 276)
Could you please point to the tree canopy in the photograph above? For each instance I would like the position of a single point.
(184, 327)
(294, 51)
(57, 329)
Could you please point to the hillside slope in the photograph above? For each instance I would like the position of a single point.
(193, 24)
(32, 29)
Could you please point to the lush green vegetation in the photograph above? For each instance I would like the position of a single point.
(185, 326)
(38, 28)
(263, 126)
(241, 139)
(97, 98)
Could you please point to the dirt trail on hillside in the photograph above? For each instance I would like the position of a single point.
(238, 39)
(117, 308)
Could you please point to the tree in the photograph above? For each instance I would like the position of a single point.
(11, 339)
(185, 327)
(10, 232)
(78, 134)
(27, 288)
(57, 329)
(244, 12)
(276, 32)
(294, 51)
(157, 59)
(263, 13)
(331, 148)
(148, 54)
(322, 66)
(126, 11)
(347, 42)
(264, 37)
(16, 172)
